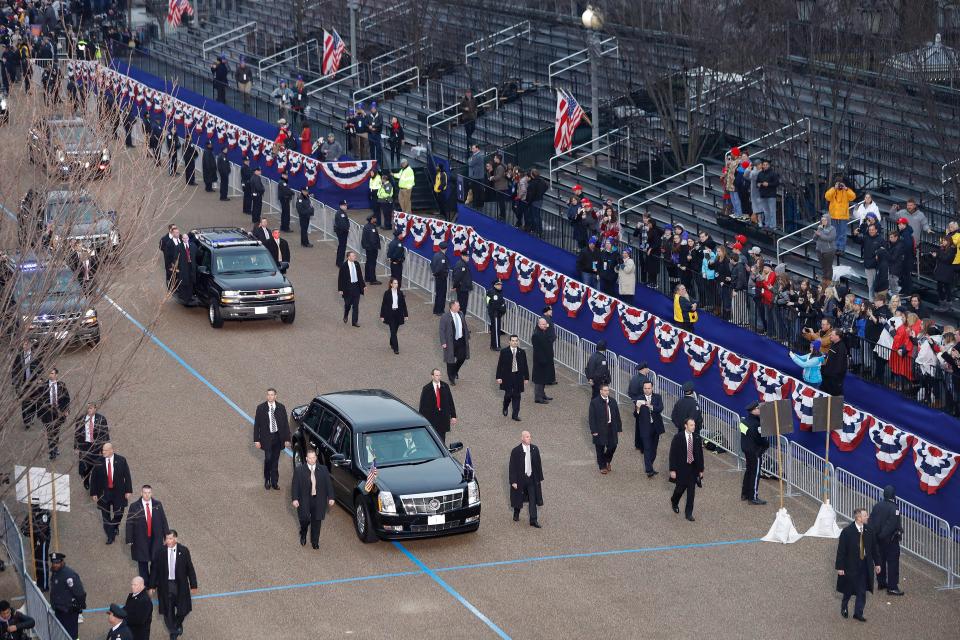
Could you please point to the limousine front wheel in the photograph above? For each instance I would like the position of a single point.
(361, 522)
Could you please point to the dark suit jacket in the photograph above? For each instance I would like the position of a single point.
(650, 417)
(439, 418)
(686, 473)
(122, 482)
(261, 422)
(261, 234)
(512, 381)
(686, 407)
(598, 368)
(281, 253)
(848, 557)
(386, 308)
(101, 432)
(343, 278)
(139, 614)
(18, 371)
(518, 477)
(606, 432)
(47, 412)
(22, 622)
(144, 548)
(185, 578)
(300, 491)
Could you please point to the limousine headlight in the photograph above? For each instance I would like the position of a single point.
(473, 493)
(385, 503)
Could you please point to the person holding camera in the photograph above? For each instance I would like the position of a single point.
(838, 199)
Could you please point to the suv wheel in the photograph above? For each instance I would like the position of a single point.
(288, 319)
(216, 319)
(361, 521)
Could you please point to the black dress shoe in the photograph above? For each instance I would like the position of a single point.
(676, 508)
(536, 525)
(757, 501)
(860, 618)
(376, 282)
(650, 474)
(895, 592)
(541, 402)
(316, 546)
(276, 487)
(844, 613)
(516, 517)
(303, 539)
(515, 418)
(547, 398)
(396, 351)
(356, 324)
(344, 319)
(504, 413)
(266, 484)
(691, 518)
(308, 245)
(109, 540)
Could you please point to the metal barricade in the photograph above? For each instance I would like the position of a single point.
(953, 581)
(612, 360)
(670, 391)
(771, 466)
(509, 320)
(622, 376)
(566, 350)
(525, 324)
(416, 271)
(721, 426)
(586, 349)
(477, 305)
(12, 541)
(810, 474)
(353, 238)
(47, 626)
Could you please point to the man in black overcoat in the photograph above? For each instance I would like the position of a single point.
(312, 495)
(605, 424)
(208, 167)
(139, 608)
(146, 526)
(512, 374)
(526, 474)
(648, 427)
(111, 487)
(173, 596)
(687, 407)
(686, 466)
(350, 284)
(271, 433)
(89, 434)
(223, 173)
(858, 558)
(436, 405)
(544, 369)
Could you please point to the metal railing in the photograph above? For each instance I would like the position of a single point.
(452, 112)
(381, 87)
(289, 53)
(954, 580)
(702, 179)
(806, 131)
(495, 39)
(810, 226)
(227, 37)
(395, 56)
(726, 89)
(584, 54)
(610, 142)
(944, 178)
(812, 475)
(330, 81)
(384, 15)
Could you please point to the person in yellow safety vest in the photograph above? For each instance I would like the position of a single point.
(405, 181)
(375, 182)
(684, 309)
(385, 201)
(440, 191)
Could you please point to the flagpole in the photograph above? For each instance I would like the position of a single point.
(826, 453)
(776, 420)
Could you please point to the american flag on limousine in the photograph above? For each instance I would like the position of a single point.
(333, 48)
(569, 114)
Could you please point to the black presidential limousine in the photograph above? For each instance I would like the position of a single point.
(421, 490)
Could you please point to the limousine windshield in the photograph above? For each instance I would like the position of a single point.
(404, 446)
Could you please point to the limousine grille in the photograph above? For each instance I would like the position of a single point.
(432, 503)
(426, 528)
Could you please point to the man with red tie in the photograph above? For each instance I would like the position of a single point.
(146, 524)
(436, 405)
(686, 466)
(89, 434)
(111, 488)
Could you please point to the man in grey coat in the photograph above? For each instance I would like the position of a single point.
(454, 340)
(826, 245)
(331, 150)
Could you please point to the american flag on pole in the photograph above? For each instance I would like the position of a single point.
(176, 9)
(371, 477)
(333, 48)
(569, 114)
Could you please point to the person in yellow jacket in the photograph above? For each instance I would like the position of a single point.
(839, 197)
(440, 191)
(405, 181)
(953, 232)
(375, 183)
(684, 309)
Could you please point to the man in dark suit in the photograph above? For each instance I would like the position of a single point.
(165, 242)
(271, 433)
(89, 435)
(223, 174)
(53, 404)
(350, 284)
(261, 232)
(454, 340)
(26, 375)
(111, 487)
(279, 249)
(284, 196)
(139, 608)
(246, 173)
(886, 522)
(184, 255)
(687, 407)
(604, 421)
(526, 474)
(597, 369)
(146, 524)
(117, 617)
(436, 405)
(172, 580)
(857, 560)
(648, 416)
(257, 189)
(686, 466)
(512, 375)
(370, 243)
(462, 280)
(208, 167)
(312, 495)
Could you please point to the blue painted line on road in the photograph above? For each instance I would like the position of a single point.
(596, 554)
(453, 592)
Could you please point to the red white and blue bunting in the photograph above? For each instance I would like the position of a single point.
(527, 271)
(460, 237)
(634, 322)
(803, 397)
(602, 307)
(771, 384)
(401, 224)
(349, 175)
(502, 261)
(893, 444)
(934, 465)
(551, 284)
(668, 339)
(856, 424)
(573, 295)
(480, 251)
(310, 171)
(438, 232)
(700, 354)
(734, 371)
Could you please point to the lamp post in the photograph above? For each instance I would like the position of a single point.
(354, 6)
(592, 19)
(805, 10)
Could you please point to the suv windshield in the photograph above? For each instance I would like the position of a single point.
(71, 135)
(72, 212)
(398, 447)
(43, 282)
(253, 261)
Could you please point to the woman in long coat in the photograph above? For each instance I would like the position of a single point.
(392, 312)
(544, 371)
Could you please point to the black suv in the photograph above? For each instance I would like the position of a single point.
(421, 489)
(68, 215)
(237, 278)
(49, 299)
(68, 146)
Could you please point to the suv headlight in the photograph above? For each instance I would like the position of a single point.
(286, 290)
(3, 104)
(230, 294)
(91, 313)
(473, 493)
(106, 155)
(385, 503)
(114, 238)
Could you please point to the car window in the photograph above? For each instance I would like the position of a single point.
(325, 422)
(203, 259)
(345, 442)
(399, 447)
(245, 261)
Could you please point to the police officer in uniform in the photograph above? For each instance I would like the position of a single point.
(370, 243)
(341, 227)
(385, 201)
(284, 195)
(753, 445)
(117, 616)
(246, 173)
(208, 167)
(440, 267)
(396, 254)
(496, 309)
(462, 280)
(597, 370)
(223, 172)
(173, 152)
(41, 544)
(885, 520)
(156, 137)
(67, 596)
(257, 190)
(304, 213)
(189, 161)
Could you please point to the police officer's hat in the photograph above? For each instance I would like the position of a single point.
(688, 386)
(498, 281)
(753, 406)
(118, 612)
(343, 202)
(57, 557)
(371, 217)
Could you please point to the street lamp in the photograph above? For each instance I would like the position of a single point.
(592, 20)
(354, 6)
